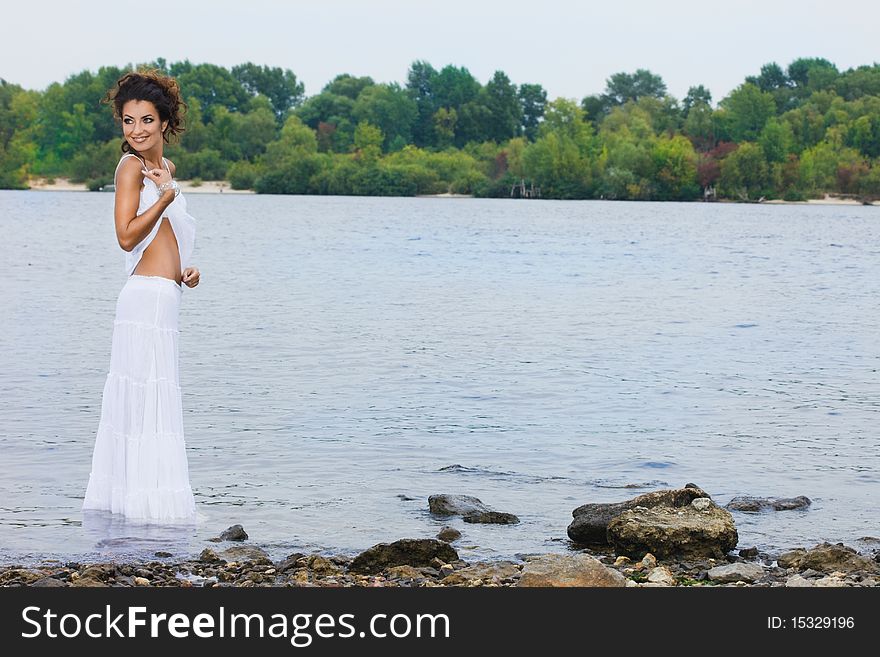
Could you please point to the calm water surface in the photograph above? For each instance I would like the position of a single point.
(344, 358)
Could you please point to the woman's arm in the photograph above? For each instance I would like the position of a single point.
(131, 228)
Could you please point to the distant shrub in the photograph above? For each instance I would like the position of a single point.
(95, 184)
(242, 175)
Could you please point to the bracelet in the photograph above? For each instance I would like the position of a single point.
(164, 187)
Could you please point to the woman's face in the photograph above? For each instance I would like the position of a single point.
(141, 125)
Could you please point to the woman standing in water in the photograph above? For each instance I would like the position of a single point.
(139, 464)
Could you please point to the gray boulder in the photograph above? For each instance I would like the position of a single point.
(666, 531)
(736, 572)
(245, 553)
(756, 504)
(569, 570)
(590, 524)
(828, 558)
(234, 533)
(470, 508)
(491, 517)
(405, 552)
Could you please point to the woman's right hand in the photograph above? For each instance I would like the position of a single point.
(158, 176)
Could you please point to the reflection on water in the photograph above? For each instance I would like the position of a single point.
(345, 358)
(115, 537)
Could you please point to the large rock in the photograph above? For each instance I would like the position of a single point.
(245, 553)
(406, 551)
(491, 518)
(494, 572)
(755, 504)
(590, 524)
(736, 572)
(828, 558)
(455, 505)
(234, 533)
(470, 508)
(682, 532)
(564, 570)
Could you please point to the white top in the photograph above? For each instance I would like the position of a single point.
(182, 223)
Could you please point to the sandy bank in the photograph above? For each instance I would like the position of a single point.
(827, 200)
(206, 187)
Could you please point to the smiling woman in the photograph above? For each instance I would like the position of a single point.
(139, 465)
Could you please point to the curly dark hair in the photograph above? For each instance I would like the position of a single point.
(161, 90)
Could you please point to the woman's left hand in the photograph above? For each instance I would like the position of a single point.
(191, 276)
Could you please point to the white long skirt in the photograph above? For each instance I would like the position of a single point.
(139, 466)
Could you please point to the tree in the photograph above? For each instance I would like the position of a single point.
(213, 86)
(699, 126)
(533, 101)
(500, 97)
(772, 77)
(744, 173)
(280, 86)
(748, 109)
(420, 87)
(368, 141)
(561, 159)
(698, 95)
(623, 87)
(776, 140)
(348, 85)
(813, 72)
(388, 107)
(675, 169)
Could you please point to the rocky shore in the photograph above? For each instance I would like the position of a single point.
(677, 537)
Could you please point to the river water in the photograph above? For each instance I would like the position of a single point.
(345, 358)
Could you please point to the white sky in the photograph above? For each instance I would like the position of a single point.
(569, 47)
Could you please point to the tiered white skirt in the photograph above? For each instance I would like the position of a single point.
(139, 466)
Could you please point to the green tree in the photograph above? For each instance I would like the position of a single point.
(280, 86)
(748, 109)
(388, 107)
(420, 87)
(502, 100)
(368, 141)
(533, 101)
(675, 169)
(744, 173)
(776, 140)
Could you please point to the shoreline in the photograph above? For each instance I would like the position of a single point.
(206, 187)
(223, 187)
(243, 564)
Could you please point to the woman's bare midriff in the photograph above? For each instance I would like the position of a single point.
(161, 257)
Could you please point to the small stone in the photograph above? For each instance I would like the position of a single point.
(701, 503)
(749, 553)
(649, 561)
(48, 582)
(141, 581)
(209, 556)
(448, 534)
(162, 554)
(661, 575)
(234, 533)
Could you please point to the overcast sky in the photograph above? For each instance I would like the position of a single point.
(570, 47)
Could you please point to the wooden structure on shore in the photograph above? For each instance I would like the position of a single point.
(519, 190)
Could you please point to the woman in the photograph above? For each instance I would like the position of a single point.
(139, 465)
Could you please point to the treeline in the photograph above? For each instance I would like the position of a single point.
(792, 133)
